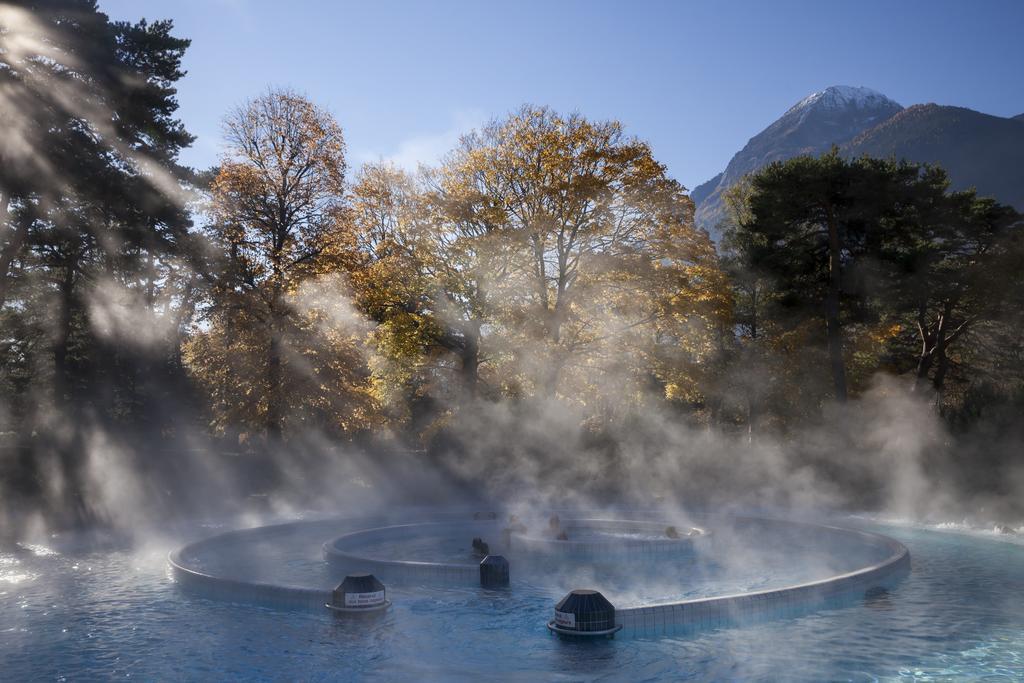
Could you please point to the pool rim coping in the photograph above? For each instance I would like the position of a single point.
(331, 551)
(899, 556)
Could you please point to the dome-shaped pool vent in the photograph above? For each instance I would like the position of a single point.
(494, 572)
(584, 613)
(359, 593)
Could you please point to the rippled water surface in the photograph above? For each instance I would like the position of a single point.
(87, 615)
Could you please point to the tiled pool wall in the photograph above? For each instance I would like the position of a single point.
(187, 570)
(187, 563)
(836, 591)
(891, 561)
(343, 555)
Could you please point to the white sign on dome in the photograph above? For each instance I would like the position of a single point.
(364, 599)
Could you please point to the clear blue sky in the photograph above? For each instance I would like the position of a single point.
(695, 79)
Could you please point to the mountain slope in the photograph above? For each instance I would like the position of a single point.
(977, 150)
(832, 116)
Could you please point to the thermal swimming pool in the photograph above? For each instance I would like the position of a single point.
(77, 615)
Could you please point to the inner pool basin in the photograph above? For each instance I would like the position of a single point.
(695, 597)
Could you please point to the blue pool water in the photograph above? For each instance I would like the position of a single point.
(87, 615)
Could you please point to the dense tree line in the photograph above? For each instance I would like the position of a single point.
(547, 256)
(902, 276)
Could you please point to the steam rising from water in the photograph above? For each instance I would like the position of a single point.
(886, 452)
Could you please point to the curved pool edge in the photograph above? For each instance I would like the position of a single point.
(261, 593)
(788, 601)
(443, 572)
(239, 590)
(655, 619)
(583, 549)
(342, 553)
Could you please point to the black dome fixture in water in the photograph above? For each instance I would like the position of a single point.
(584, 613)
(480, 547)
(359, 593)
(494, 572)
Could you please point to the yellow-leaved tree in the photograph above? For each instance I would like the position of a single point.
(280, 348)
(586, 257)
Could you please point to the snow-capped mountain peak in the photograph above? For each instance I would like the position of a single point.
(833, 116)
(843, 96)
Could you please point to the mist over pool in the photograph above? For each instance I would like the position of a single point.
(345, 341)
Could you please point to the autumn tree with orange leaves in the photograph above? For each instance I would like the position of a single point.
(280, 346)
(547, 255)
(603, 275)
